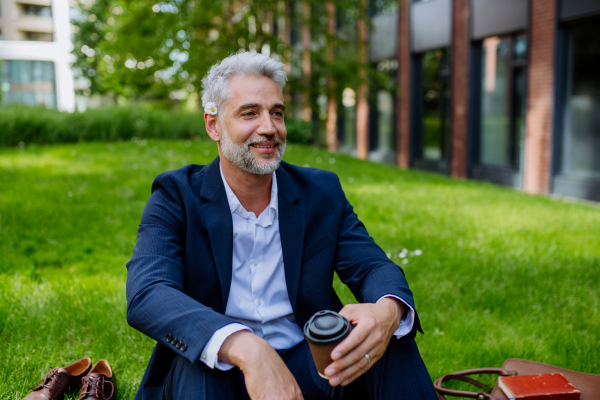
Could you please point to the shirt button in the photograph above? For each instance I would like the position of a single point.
(255, 262)
(203, 356)
(258, 302)
(239, 210)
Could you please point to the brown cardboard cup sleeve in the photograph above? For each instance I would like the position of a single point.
(323, 331)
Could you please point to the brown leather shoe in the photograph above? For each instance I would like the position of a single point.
(59, 381)
(99, 384)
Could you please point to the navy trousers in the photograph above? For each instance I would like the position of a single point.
(399, 374)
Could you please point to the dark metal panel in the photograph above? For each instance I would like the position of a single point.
(571, 9)
(496, 17)
(383, 39)
(498, 175)
(387, 157)
(583, 188)
(474, 107)
(561, 60)
(416, 107)
(439, 167)
(430, 25)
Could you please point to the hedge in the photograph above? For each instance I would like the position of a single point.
(22, 124)
(44, 126)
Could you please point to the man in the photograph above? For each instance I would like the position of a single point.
(234, 257)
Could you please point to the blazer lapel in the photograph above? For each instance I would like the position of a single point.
(292, 220)
(217, 217)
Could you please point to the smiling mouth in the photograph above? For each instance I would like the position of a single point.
(263, 147)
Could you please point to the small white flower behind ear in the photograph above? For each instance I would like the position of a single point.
(210, 108)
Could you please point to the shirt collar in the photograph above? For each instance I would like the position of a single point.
(234, 202)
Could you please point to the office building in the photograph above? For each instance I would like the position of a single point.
(506, 91)
(35, 45)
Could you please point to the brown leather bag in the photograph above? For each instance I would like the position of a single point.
(587, 384)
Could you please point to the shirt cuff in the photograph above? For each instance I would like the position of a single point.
(406, 322)
(210, 353)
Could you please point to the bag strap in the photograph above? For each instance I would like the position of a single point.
(462, 375)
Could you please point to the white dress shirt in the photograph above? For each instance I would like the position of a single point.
(258, 298)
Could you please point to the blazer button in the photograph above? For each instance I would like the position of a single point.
(183, 347)
(169, 337)
(178, 345)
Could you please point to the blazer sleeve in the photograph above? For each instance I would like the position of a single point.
(156, 303)
(365, 268)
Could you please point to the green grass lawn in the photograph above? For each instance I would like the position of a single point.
(502, 274)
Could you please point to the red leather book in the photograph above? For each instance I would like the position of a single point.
(538, 387)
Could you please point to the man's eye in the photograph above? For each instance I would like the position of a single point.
(249, 114)
(278, 113)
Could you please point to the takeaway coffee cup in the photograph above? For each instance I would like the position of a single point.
(323, 331)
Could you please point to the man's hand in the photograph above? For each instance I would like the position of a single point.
(374, 326)
(266, 375)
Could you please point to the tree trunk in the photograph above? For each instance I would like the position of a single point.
(331, 125)
(306, 110)
(362, 106)
(286, 32)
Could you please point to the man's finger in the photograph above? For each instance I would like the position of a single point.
(358, 365)
(355, 338)
(356, 355)
(349, 311)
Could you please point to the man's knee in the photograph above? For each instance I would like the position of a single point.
(198, 382)
(400, 370)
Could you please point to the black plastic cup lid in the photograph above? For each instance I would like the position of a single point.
(326, 327)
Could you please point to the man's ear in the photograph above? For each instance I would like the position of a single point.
(211, 122)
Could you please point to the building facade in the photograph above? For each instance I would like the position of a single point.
(35, 45)
(502, 91)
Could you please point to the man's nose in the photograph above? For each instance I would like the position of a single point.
(266, 126)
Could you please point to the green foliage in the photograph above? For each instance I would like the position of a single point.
(21, 124)
(502, 274)
(299, 131)
(146, 50)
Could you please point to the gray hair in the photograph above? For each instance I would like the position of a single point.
(215, 85)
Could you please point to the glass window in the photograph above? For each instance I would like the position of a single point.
(349, 116)
(382, 111)
(37, 11)
(28, 82)
(581, 138)
(503, 89)
(387, 7)
(436, 105)
(38, 36)
(385, 121)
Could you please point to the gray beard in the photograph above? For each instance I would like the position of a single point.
(242, 157)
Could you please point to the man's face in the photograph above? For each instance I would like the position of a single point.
(252, 126)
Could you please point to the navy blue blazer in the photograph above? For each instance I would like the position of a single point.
(179, 276)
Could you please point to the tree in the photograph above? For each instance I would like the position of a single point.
(143, 50)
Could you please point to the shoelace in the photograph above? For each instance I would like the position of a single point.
(94, 386)
(50, 381)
